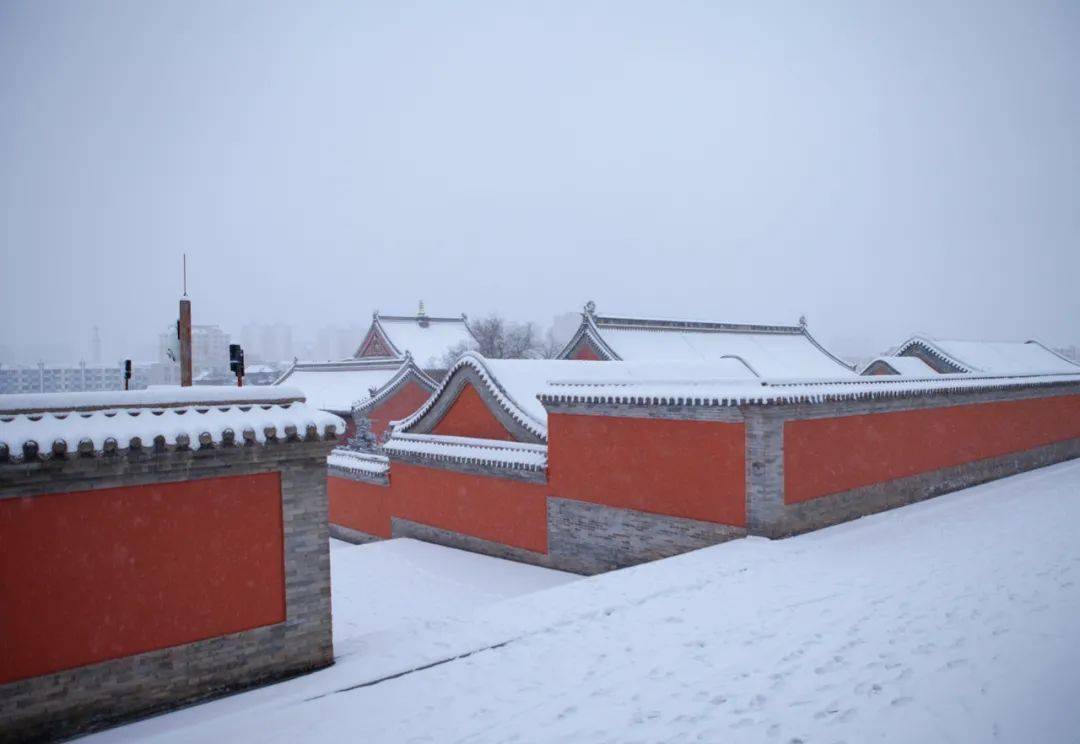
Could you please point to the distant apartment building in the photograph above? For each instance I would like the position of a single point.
(54, 378)
(51, 378)
(209, 349)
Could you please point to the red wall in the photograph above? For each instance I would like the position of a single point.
(359, 506)
(97, 575)
(505, 511)
(469, 416)
(585, 352)
(399, 405)
(693, 469)
(827, 456)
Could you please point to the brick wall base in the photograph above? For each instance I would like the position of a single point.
(842, 507)
(583, 538)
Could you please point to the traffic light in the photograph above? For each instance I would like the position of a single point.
(236, 363)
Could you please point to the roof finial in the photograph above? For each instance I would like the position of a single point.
(802, 321)
(590, 308)
(421, 313)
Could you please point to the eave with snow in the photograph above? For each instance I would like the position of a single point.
(58, 426)
(774, 351)
(909, 366)
(342, 387)
(951, 356)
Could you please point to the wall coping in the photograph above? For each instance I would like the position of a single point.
(721, 393)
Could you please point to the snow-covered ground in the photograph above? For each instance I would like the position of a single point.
(954, 620)
(382, 585)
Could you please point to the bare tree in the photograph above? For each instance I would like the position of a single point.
(498, 338)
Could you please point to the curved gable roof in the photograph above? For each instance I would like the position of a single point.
(908, 366)
(512, 387)
(778, 351)
(341, 386)
(427, 338)
(508, 386)
(993, 357)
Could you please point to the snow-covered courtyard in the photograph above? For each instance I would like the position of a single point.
(957, 620)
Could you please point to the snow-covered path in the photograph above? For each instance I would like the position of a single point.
(953, 620)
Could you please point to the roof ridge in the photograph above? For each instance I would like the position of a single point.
(609, 321)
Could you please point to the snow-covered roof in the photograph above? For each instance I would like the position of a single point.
(692, 392)
(993, 357)
(86, 423)
(407, 371)
(157, 396)
(769, 350)
(486, 452)
(426, 337)
(360, 462)
(514, 384)
(338, 386)
(903, 365)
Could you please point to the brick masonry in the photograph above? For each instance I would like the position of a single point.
(770, 516)
(87, 698)
(583, 538)
(590, 538)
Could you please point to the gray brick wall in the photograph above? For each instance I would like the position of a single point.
(98, 695)
(588, 538)
(769, 516)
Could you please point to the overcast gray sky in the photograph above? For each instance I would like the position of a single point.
(881, 167)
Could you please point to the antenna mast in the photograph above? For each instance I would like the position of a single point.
(183, 331)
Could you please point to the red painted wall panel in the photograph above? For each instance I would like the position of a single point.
(359, 506)
(469, 416)
(585, 352)
(827, 456)
(693, 469)
(402, 403)
(97, 575)
(506, 511)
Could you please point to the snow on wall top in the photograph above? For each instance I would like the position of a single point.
(769, 350)
(904, 365)
(338, 386)
(485, 452)
(994, 357)
(691, 392)
(364, 462)
(59, 423)
(427, 338)
(159, 396)
(515, 383)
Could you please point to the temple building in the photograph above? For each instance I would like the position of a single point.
(394, 370)
(589, 466)
(774, 351)
(923, 355)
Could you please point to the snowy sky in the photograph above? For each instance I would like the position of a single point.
(882, 168)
